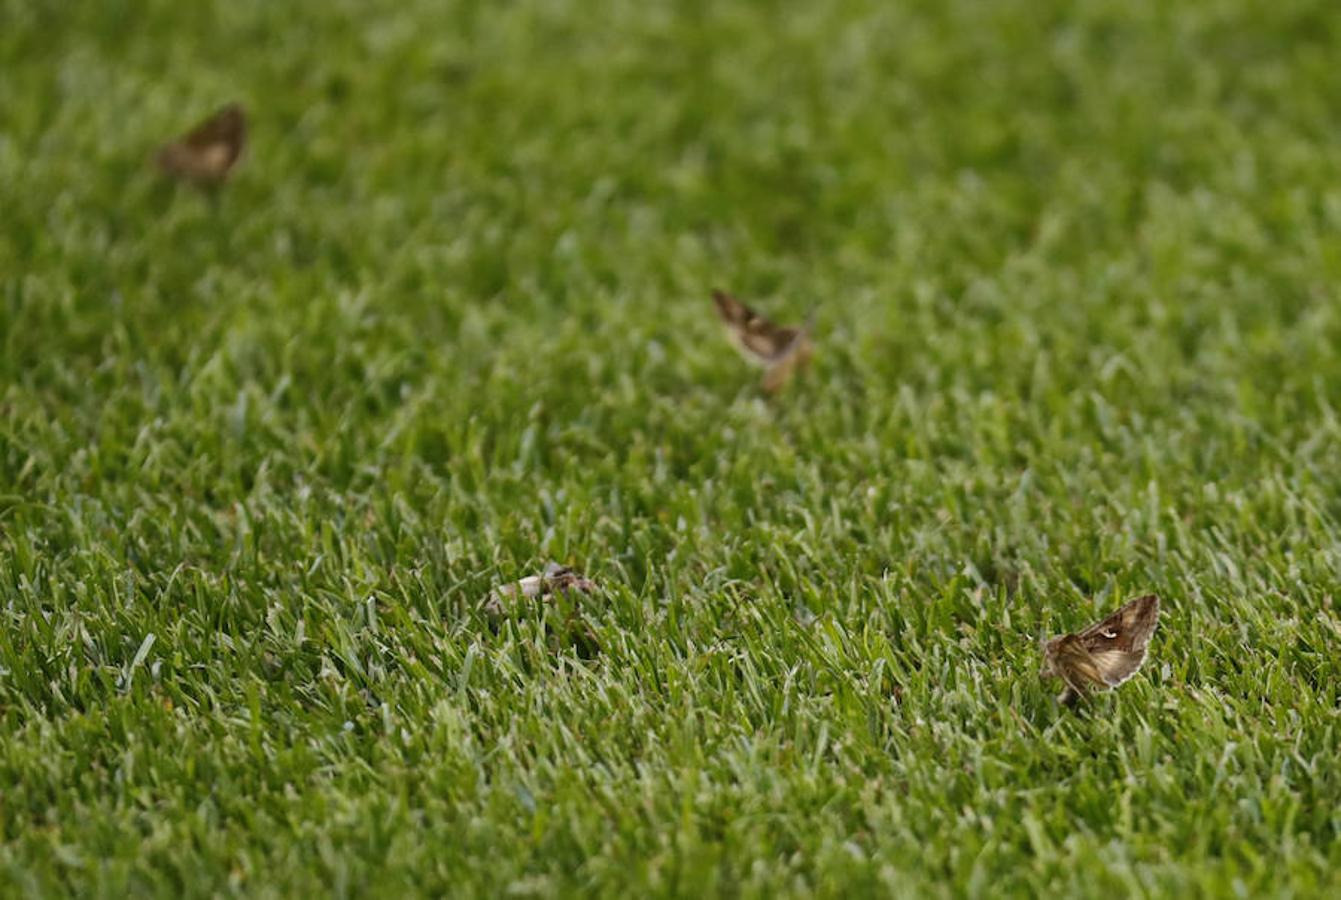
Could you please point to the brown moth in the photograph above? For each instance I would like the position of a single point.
(780, 350)
(554, 579)
(1103, 655)
(207, 153)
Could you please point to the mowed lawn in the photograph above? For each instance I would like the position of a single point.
(1076, 272)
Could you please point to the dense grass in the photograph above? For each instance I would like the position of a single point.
(1076, 269)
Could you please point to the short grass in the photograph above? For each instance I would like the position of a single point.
(1076, 270)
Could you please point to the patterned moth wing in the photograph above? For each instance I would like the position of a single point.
(1118, 643)
(554, 579)
(1106, 653)
(206, 154)
(781, 350)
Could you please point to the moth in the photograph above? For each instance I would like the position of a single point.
(781, 351)
(555, 579)
(207, 153)
(1103, 655)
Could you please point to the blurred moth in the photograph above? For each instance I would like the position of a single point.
(1103, 655)
(557, 583)
(780, 350)
(555, 579)
(207, 153)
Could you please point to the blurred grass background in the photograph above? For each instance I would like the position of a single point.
(262, 453)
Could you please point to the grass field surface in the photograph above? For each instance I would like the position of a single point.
(265, 450)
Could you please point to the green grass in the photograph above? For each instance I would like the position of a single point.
(1076, 269)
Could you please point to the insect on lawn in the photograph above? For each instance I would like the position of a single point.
(206, 154)
(1103, 655)
(780, 350)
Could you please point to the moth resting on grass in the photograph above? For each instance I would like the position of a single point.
(1103, 655)
(207, 153)
(779, 349)
(554, 579)
(560, 587)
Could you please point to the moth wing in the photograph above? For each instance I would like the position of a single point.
(227, 126)
(1128, 629)
(755, 336)
(530, 586)
(732, 311)
(501, 597)
(209, 150)
(1118, 643)
(1116, 666)
(768, 340)
(562, 578)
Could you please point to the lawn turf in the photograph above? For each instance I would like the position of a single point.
(262, 452)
